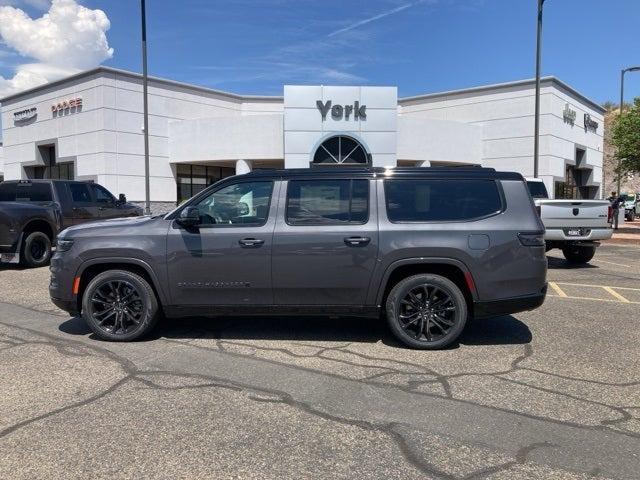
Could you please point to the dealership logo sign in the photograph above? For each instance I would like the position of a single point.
(589, 123)
(338, 112)
(568, 114)
(65, 106)
(24, 115)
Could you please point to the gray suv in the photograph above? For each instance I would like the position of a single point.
(429, 247)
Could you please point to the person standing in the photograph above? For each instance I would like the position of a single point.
(615, 201)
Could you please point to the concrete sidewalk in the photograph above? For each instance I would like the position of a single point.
(627, 234)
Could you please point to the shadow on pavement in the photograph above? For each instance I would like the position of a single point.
(561, 263)
(505, 330)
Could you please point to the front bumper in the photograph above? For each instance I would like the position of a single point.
(559, 235)
(506, 306)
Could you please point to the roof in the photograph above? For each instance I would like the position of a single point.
(276, 98)
(117, 71)
(468, 172)
(498, 86)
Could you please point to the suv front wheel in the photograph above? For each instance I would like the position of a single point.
(426, 311)
(120, 306)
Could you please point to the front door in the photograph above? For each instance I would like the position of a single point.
(326, 242)
(226, 260)
(84, 206)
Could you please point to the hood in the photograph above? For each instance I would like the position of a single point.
(120, 226)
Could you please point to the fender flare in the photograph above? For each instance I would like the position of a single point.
(156, 284)
(422, 260)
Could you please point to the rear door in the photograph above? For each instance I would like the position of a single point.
(84, 207)
(326, 242)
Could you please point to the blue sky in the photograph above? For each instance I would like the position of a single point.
(256, 46)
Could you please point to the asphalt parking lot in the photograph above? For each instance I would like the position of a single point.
(553, 393)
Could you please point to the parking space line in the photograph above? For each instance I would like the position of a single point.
(594, 299)
(598, 286)
(616, 294)
(558, 290)
(613, 263)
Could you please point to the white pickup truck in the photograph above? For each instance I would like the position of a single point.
(574, 226)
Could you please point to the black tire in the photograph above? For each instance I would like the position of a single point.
(36, 250)
(120, 306)
(438, 303)
(578, 254)
(630, 217)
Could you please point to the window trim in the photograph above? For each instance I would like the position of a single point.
(237, 225)
(351, 180)
(503, 203)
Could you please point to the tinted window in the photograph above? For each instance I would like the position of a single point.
(440, 200)
(80, 192)
(244, 203)
(327, 202)
(102, 194)
(537, 190)
(7, 192)
(33, 192)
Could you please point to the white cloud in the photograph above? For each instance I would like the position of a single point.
(66, 39)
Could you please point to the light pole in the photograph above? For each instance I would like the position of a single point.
(147, 201)
(622, 72)
(536, 128)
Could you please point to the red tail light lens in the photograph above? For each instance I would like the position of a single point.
(610, 214)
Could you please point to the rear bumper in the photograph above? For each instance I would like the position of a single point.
(558, 235)
(507, 306)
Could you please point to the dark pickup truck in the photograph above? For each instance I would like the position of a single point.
(33, 212)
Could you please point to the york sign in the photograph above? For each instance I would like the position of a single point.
(339, 112)
(24, 115)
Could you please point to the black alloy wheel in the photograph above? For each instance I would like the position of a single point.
(119, 305)
(426, 311)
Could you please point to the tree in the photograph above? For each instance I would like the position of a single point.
(626, 138)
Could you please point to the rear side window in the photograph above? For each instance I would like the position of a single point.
(33, 192)
(327, 202)
(7, 192)
(441, 200)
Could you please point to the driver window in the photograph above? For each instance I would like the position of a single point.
(102, 195)
(245, 203)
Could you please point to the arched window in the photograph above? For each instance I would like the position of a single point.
(341, 149)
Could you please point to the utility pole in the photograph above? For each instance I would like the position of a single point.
(147, 203)
(536, 132)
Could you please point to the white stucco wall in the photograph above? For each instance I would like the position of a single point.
(246, 137)
(506, 116)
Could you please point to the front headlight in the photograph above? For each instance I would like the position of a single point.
(63, 245)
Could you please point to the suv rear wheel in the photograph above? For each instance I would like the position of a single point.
(426, 311)
(120, 306)
(36, 250)
(578, 254)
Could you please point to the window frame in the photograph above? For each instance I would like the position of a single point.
(501, 196)
(202, 195)
(93, 187)
(337, 224)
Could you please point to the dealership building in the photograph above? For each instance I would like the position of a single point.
(90, 126)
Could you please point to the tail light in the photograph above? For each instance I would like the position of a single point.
(539, 210)
(610, 214)
(531, 239)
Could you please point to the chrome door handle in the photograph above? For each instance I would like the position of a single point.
(250, 242)
(357, 241)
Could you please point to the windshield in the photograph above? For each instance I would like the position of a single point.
(537, 190)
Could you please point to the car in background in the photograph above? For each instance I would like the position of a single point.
(33, 212)
(428, 247)
(631, 206)
(573, 225)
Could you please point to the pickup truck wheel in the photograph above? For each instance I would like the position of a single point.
(578, 254)
(426, 311)
(36, 250)
(120, 306)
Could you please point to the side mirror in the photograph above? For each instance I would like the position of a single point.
(122, 199)
(189, 217)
